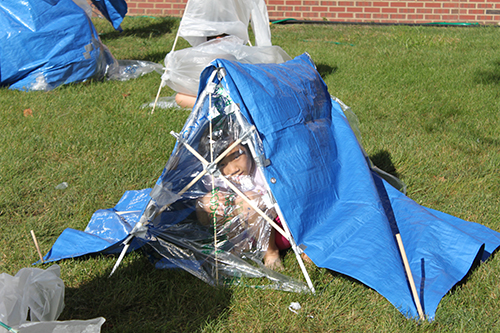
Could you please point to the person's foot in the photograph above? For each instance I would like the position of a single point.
(306, 258)
(272, 260)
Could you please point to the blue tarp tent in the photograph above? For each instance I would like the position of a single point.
(46, 43)
(341, 212)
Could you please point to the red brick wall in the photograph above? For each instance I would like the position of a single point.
(383, 11)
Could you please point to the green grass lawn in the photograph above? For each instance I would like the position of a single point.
(428, 102)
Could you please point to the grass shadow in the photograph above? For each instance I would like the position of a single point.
(382, 159)
(140, 298)
(326, 70)
(480, 259)
(491, 76)
(158, 26)
(157, 57)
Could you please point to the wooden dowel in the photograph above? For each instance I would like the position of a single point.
(410, 277)
(36, 245)
(156, 99)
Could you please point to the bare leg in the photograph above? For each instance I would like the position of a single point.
(253, 221)
(306, 258)
(272, 258)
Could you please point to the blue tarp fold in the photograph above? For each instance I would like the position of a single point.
(105, 232)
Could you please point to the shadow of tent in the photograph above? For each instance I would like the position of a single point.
(477, 261)
(325, 70)
(382, 159)
(147, 298)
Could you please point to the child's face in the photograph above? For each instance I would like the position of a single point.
(236, 163)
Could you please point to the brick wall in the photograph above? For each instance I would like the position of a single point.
(383, 11)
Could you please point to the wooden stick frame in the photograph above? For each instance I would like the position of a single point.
(213, 188)
(233, 187)
(270, 221)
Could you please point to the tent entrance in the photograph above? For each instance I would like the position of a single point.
(211, 220)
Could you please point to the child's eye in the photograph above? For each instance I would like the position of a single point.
(240, 152)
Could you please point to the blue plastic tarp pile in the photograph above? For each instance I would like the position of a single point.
(337, 208)
(46, 43)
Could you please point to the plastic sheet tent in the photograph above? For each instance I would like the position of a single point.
(341, 212)
(202, 19)
(205, 19)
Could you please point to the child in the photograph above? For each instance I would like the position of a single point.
(244, 227)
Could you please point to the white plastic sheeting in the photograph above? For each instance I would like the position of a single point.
(32, 300)
(183, 67)
(222, 18)
(204, 19)
(32, 290)
(72, 326)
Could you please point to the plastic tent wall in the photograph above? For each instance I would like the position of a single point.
(337, 208)
(203, 19)
(46, 43)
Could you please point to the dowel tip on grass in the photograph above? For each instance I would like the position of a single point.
(36, 245)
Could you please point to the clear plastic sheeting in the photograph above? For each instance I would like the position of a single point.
(203, 19)
(183, 67)
(33, 294)
(163, 103)
(132, 69)
(32, 300)
(210, 210)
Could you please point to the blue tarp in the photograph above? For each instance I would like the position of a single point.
(46, 43)
(337, 208)
(105, 232)
(113, 10)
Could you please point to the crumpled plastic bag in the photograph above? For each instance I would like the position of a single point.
(33, 294)
(163, 103)
(72, 326)
(131, 69)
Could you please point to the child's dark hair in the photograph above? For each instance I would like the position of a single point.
(225, 130)
(217, 36)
